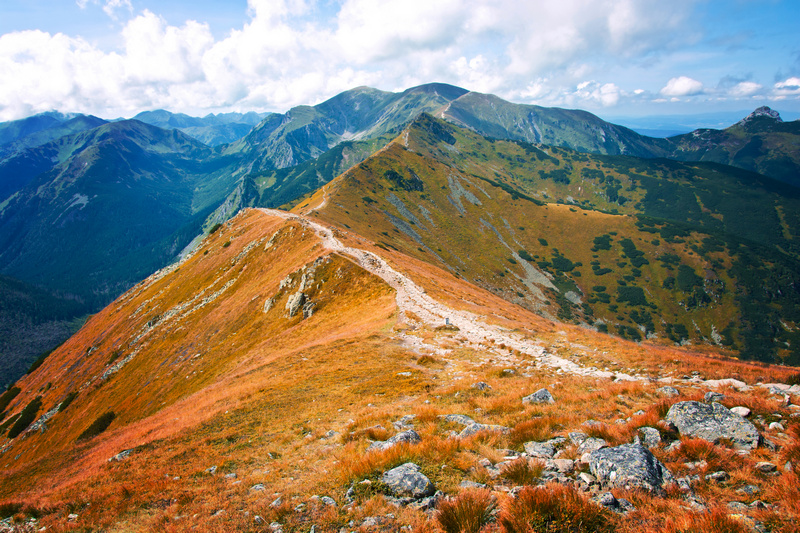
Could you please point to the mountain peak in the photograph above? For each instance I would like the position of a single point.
(763, 111)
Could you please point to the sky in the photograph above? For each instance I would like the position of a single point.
(115, 58)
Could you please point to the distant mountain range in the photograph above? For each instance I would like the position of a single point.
(89, 207)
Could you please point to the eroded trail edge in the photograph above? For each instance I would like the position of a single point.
(412, 298)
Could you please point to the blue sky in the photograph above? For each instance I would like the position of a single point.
(615, 58)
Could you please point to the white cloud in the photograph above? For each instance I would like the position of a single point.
(682, 86)
(536, 51)
(788, 87)
(745, 89)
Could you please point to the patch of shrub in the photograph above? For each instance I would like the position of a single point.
(603, 242)
(7, 396)
(554, 509)
(100, 424)
(543, 242)
(632, 295)
(26, 417)
(525, 255)
(214, 228)
(467, 513)
(227, 243)
(67, 400)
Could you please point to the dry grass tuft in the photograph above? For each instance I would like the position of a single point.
(537, 429)
(717, 457)
(554, 509)
(522, 471)
(717, 520)
(469, 512)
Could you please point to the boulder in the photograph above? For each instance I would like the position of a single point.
(482, 386)
(472, 429)
(410, 437)
(464, 420)
(668, 391)
(543, 450)
(577, 437)
(540, 396)
(591, 444)
(712, 396)
(406, 481)
(742, 411)
(649, 437)
(765, 467)
(713, 422)
(629, 466)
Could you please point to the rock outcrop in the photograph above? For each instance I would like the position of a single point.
(629, 466)
(406, 481)
(713, 422)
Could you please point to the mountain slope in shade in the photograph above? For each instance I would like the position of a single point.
(479, 208)
(109, 209)
(32, 322)
(761, 142)
(222, 401)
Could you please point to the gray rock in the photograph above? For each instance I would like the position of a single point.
(713, 422)
(669, 392)
(738, 506)
(608, 500)
(742, 411)
(776, 426)
(629, 466)
(540, 396)
(649, 437)
(410, 436)
(464, 420)
(327, 500)
(591, 444)
(587, 478)
(467, 484)
(481, 385)
(718, 477)
(121, 456)
(564, 466)
(766, 467)
(475, 428)
(406, 481)
(577, 437)
(712, 396)
(294, 303)
(543, 450)
(308, 309)
(258, 487)
(749, 490)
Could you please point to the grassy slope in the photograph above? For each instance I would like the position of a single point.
(760, 144)
(677, 281)
(255, 394)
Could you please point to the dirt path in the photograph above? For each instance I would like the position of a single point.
(411, 297)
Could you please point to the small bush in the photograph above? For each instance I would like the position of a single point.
(522, 472)
(227, 243)
(554, 509)
(67, 400)
(467, 513)
(537, 429)
(718, 521)
(214, 228)
(27, 416)
(98, 426)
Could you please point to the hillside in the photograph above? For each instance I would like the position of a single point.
(641, 248)
(101, 209)
(32, 322)
(186, 382)
(760, 142)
